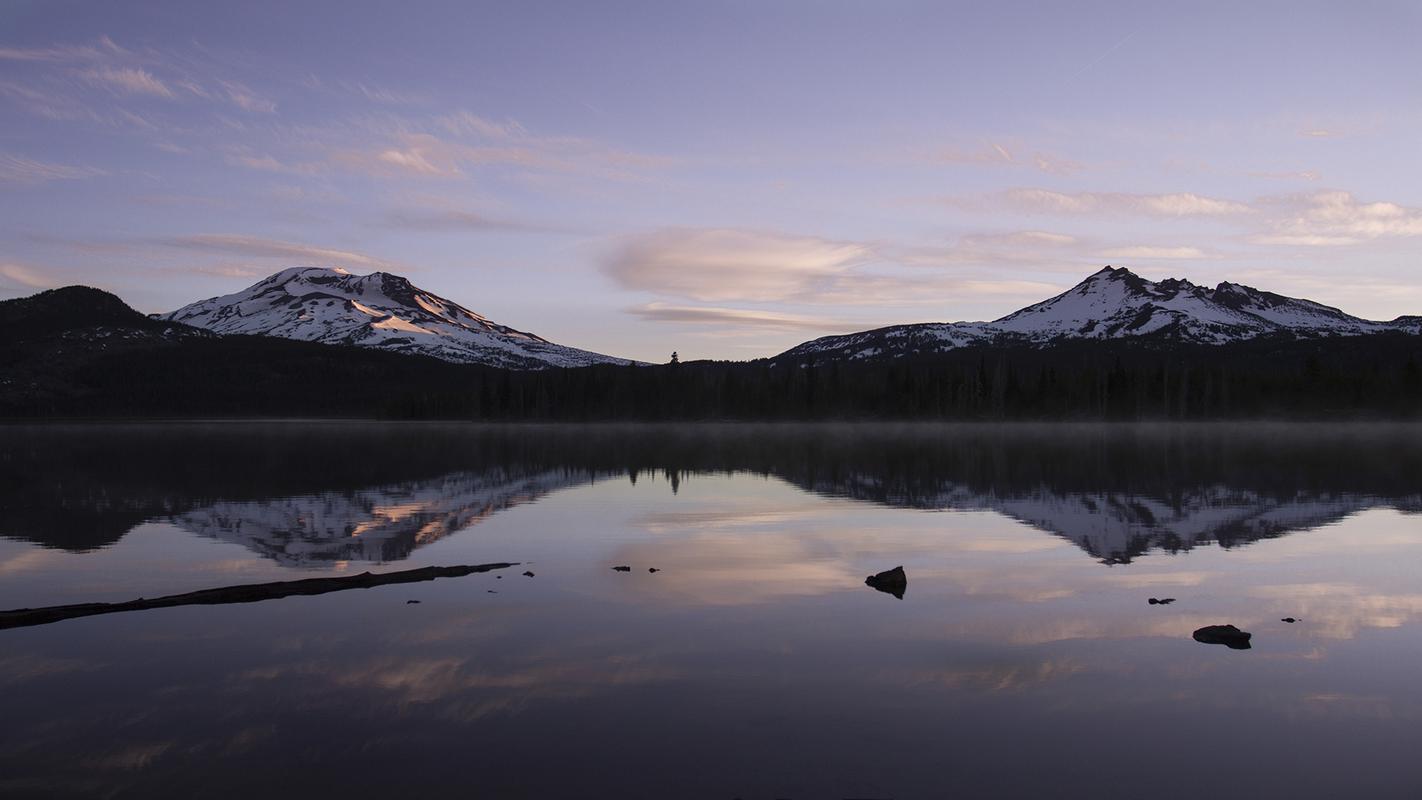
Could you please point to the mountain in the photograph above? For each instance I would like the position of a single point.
(380, 311)
(79, 350)
(1117, 304)
(81, 313)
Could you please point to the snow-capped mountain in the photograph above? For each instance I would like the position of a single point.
(1115, 303)
(379, 310)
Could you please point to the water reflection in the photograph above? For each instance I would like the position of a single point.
(376, 524)
(755, 663)
(319, 494)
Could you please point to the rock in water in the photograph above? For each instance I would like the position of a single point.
(893, 581)
(1163, 601)
(622, 568)
(653, 569)
(528, 573)
(1289, 620)
(1227, 635)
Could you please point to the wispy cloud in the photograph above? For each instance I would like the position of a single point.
(265, 162)
(17, 169)
(123, 81)
(19, 276)
(247, 99)
(717, 264)
(1018, 239)
(1298, 175)
(1006, 154)
(104, 48)
(256, 247)
(457, 220)
(1332, 218)
(743, 318)
(1153, 252)
(1177, 204)
(445, 146)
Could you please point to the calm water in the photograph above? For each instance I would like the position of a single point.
(1023, 661)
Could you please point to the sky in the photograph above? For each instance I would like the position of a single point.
(724, 179)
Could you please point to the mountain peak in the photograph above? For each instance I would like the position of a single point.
(382, 310)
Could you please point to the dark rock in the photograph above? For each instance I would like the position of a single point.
(528, 573)
(1289, 620)
(411, 602)
(498, 577)
(622, 568)
(892, 581)
(491, 591)
(1227, 635)
(653, 569)
(1164, 601)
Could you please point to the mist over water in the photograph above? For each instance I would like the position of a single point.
(1023, 656)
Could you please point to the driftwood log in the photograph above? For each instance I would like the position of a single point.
(249, 593)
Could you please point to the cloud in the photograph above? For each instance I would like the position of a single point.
(20, 276)
(16, 169)
(127, 81)
(1300, 175)
(467, 140)
(465, 123)
(417, 159)
(103, 49)
(255, 247)
(717, 264)
(1179, 204)
(455, 220)
(1333, 218)
(1148, 251)
(742, 318)
(268, 163)
(1000, 154)
(246, 99)
(1018, 239)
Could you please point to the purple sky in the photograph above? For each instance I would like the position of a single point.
(724, 179)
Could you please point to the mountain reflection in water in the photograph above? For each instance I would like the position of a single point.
(316, 494)
(755, 661)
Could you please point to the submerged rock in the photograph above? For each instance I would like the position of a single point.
(892, 581)
(622, 568)
(411, 602)
(1227, 635)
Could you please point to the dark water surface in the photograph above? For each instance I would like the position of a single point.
(1023, 661)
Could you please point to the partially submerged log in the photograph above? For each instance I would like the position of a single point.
(249, 593)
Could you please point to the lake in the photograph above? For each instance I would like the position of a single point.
(1024, 658)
